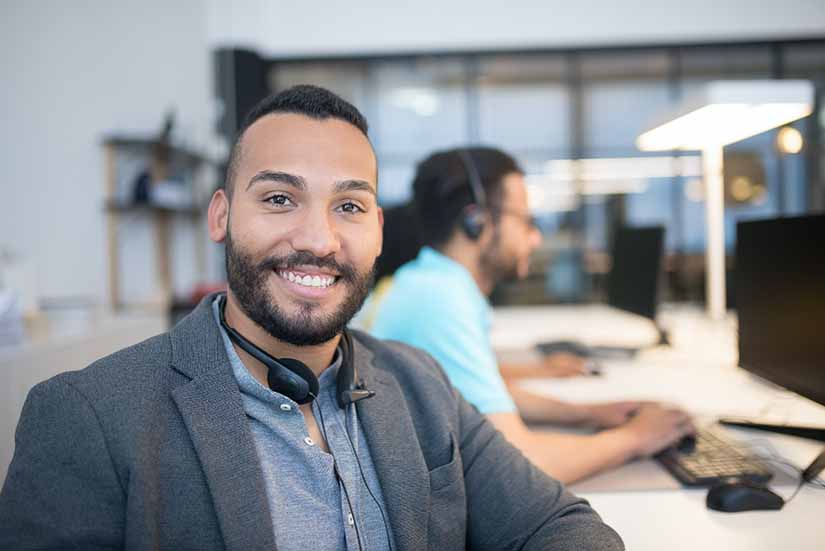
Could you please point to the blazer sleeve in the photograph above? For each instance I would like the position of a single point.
(514, 505)
(61, 490)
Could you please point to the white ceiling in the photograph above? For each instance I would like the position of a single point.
(278, 28)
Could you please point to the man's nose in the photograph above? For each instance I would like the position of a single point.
(316, 234)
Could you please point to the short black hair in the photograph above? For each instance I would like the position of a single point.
(401, 239)
(441, 188)
(304, 99)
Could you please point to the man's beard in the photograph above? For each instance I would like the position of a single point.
(248, 282)
(496, 262)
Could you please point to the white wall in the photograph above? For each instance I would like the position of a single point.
(73, 71)
(284, 28)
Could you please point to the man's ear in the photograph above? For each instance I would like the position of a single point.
(381, 226)
(218, 216)
(486, 236)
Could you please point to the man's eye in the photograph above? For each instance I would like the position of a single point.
(278, 200)
(351, 208)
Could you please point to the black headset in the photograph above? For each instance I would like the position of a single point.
(294, 379)
(473, 216)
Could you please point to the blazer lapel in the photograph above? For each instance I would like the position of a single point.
(212, 410)
(396, 454)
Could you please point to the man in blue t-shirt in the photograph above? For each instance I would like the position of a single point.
(477, 231)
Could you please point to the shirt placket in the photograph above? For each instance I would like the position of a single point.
(340, 450)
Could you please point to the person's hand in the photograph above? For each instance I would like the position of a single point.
(562, 364)
(611, 414)
(655, 427)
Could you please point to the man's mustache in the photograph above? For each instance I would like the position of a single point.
(304, 258)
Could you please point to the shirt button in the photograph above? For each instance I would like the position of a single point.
(286, 407)
(350, 520)
(308, 441)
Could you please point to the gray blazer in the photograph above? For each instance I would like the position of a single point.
(149, 448)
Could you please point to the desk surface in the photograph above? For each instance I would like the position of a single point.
(697, 373)
(66, 347)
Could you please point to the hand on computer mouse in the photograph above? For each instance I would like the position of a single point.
(687, 444)
(655, 427)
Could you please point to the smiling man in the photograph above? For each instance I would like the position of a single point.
(260, 422)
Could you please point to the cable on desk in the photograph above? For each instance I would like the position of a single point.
(770, 455)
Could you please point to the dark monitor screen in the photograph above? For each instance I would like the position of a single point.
(633, 281)
(780, 297)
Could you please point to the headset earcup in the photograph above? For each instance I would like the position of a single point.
(292, 378)
(472, 221)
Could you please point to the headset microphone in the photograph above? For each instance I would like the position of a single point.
(348, 389)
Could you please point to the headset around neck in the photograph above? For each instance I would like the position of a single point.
(293, 378)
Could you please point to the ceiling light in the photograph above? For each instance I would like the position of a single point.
(725, 112)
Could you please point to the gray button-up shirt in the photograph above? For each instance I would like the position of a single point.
(311, 505)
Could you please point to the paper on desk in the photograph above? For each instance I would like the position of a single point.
(713, 391)
(523, 327)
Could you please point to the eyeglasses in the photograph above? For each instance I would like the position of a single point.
(529, 220)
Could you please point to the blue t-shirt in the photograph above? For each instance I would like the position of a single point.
(435, 304)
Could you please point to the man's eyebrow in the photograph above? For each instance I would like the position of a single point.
(354, 185)
(276, 176)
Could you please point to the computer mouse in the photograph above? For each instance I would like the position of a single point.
(592, 367)
(687, 444)
(742, 495)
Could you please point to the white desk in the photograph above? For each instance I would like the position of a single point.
(698, 373)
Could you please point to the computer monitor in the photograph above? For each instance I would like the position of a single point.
(780, 298)
(632, 285)
(633, 281)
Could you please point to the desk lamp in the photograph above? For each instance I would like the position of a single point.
(722, 113)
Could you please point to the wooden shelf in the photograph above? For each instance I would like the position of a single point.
(159, 158)
(145, 144)
(115, 206)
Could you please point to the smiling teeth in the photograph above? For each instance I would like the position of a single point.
(309, 281)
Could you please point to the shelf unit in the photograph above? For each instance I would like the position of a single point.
(161, 161)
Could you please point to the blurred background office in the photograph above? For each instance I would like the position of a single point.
(552, 82)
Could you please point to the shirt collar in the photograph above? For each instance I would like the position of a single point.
(430, 259)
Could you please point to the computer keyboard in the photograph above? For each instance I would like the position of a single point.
(711, 459)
